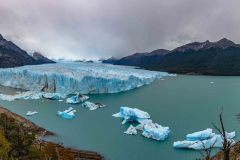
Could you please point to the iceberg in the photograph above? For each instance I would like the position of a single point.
(53, 96)
(131, 130)
(92, 106)
(32, 95)
(146, 125)
(141, 125)
(31, 113)
(71, 77)
(78, 98)
(21, 95)
(68, 114)
(204, 139)
(201, 135)
(155, 131)
(131, 114)
(183, 144)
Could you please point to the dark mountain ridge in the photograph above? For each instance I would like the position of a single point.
(13, 56)
(40, 59)
(142, 59)
(210, 58)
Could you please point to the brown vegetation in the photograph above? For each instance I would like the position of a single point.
(21, 139)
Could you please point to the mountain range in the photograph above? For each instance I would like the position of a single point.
(209, 58)
(13, 56)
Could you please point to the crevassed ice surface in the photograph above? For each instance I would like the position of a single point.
(72, 77)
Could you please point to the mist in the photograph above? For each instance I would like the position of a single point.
(93, 29)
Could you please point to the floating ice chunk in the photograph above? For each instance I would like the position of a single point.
(140, 127)
(230, 135)
(92, 106)
(53, 96)
(142, 123)
(31, 113)
(131, 114)
(155, 131)
(150, 129)
(183, 144)
(72, 113)
(172, 75)
(32, 95)
(29, 95)
(216, 141)
(78, 98)
(201, 135)
(131, 130)
(204, 139)
(21, 95)
(7, 97)
(68, 110)
(68, 114)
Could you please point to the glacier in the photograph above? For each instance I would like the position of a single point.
(204, 139)
(146, 125)
(72, 77)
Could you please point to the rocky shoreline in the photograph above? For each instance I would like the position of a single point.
(41, 132)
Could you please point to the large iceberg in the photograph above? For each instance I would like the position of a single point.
(78, 98)
(204, 139)
(155, 131)
(132, 114)
(146, 125)
(71, 77)
(200, 135)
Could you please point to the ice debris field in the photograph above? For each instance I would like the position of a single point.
(197, 140)
(71, 77)
(68, 114)
(146, 125)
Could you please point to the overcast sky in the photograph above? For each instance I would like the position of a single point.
(94, 29)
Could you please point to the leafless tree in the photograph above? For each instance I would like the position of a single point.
(206, 151)
(227, 144)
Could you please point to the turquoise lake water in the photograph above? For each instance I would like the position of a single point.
(184, 103)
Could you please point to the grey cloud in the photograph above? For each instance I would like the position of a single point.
(104, 28)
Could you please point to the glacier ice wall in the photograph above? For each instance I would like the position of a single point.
(72, 77)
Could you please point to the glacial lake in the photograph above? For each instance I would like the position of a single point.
(184, 103)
